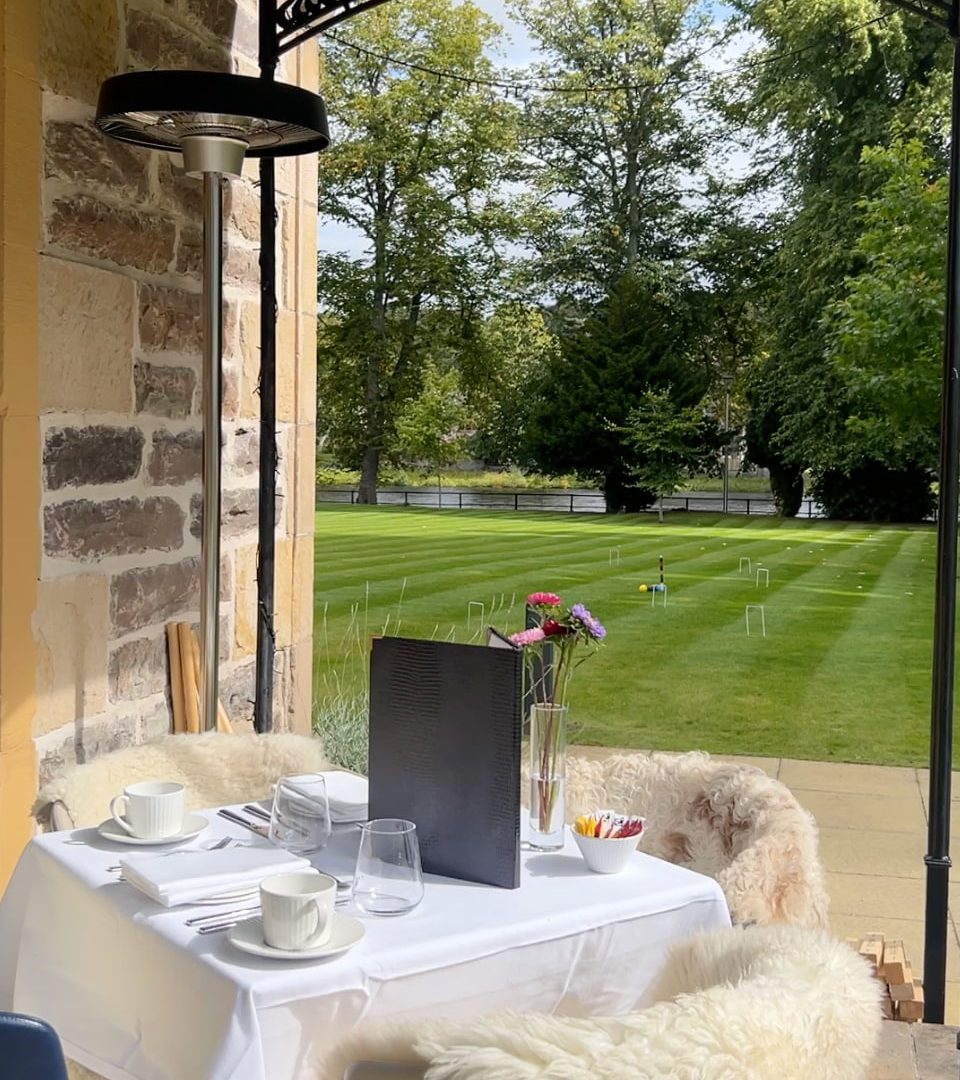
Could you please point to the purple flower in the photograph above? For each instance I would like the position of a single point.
(593, 626)
(528, 637)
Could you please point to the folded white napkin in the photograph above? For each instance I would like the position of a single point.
(183, 877)
(347, 795)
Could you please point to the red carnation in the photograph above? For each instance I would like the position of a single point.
(552, 628)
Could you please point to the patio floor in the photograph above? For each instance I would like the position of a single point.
(873, 830)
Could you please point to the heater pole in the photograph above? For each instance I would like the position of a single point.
(267, 512)
(937, 858)
(211, 387)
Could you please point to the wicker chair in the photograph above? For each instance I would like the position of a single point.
(731, 822)
(763, 1003)
(215, 769)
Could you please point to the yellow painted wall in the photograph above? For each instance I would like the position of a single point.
(19, 430)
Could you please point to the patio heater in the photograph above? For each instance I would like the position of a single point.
(214, 120)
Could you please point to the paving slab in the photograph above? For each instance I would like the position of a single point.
(874, 896)
(842, 776)
(865, 812)
(890, 854)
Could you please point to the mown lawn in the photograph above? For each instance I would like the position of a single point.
(844, 672)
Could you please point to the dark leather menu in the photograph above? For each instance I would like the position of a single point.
(445, 753)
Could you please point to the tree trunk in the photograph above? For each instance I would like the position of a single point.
(660, 509)
(369, 476)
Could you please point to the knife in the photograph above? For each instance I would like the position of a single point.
(260, 830)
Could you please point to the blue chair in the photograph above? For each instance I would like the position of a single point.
(29, 1049)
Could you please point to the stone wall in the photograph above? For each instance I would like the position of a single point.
(120, 339)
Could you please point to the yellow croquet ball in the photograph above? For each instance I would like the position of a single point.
(643, 588)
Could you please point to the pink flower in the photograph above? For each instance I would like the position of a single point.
(543, 599)
(528, 637)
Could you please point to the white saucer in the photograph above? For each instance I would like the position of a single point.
(193, 825)
(248, 937)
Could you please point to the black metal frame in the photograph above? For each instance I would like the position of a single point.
(289, 23)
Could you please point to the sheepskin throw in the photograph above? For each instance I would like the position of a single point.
(761, 1003)
(215, 769)
(731, 822)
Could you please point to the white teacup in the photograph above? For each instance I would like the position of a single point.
(297, 910)
(151, 810)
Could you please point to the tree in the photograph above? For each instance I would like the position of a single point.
(834, 78)
(884, 336)
(666, 442)
(513, 349)
(430, 428)
(638, 339)
(418, 168)
(611, 165)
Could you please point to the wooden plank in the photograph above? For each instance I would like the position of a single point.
(906, 990)
(894, 964)
(176, 680)
(912, 1011)
(871, 949)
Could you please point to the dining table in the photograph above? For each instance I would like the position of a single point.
(136, 993)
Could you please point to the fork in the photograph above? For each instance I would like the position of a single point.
(223, 842)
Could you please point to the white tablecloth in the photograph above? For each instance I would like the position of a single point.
(134, 993)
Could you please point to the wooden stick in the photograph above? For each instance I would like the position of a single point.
(176, 679)
(223, 721)
(191, 694)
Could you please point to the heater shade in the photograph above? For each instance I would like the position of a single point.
(158, 109)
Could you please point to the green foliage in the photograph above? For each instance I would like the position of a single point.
(876, 492)
(418, 168)
(609, 170)
(666, 441)
(430, 428)
(840, 80)
(884, 336)
(637, 340)
(513, 350)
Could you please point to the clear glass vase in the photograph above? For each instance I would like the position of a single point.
(548, 775)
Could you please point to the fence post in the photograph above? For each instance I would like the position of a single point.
(571, 504)
(459, 500)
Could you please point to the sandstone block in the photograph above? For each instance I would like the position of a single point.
(237, 692)
(158, 43)
(155, 723)
(242, 210)
(287, 364)
(245, 602)
(127, 237)
(306, 403)
(156, 594)
(238, 512)
(250, 357)
(243, 457)
(87, 530)
(74, 456)
(301, 618)
(138, 669)
(171, 320)
(70, 627)
(78, 43)
(86, 338)
(304, 481)
(190, 252)
(164, 391)
(153, 594)
(79, 153)
(213, 16)
(175, 458)
(241, 265)
(177, 191)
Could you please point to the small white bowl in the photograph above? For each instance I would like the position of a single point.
(603, 855)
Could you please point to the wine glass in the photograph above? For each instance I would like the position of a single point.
(388, 879)
(300, 816)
